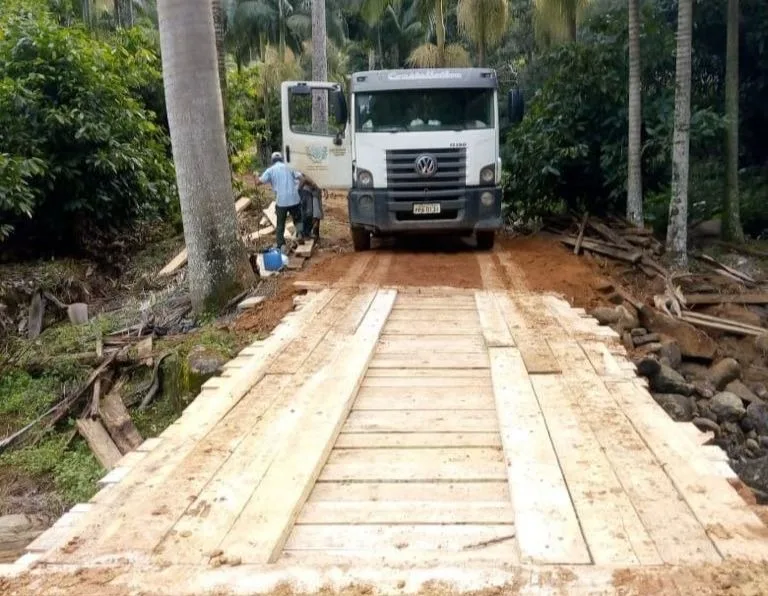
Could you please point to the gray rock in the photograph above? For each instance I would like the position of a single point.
(679, 407)
(704, 388)
(759, 390)
(693, 370)
(727, 407)
(693, 342)
(763, 441)
(668, 380)
(761, 343)
(670, 353)
(725, 371)
(704, 411)
(740, 389)
(705, 424)
(757, 416)
(628, 318)
(754, 472)
(651, 348)
(639, 331)
(751, 434)
(733, 431)
(626, 340)
(606, 315)
(204, 361)
(648, 366)
(752, 445)
(641, 340)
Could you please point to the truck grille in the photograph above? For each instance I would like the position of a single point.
(406, 184)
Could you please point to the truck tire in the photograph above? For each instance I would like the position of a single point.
(361, 239)
(485, 240)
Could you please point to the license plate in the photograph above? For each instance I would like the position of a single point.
(426, 208)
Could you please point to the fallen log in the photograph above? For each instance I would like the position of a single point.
(117, 420)
(720, 266)
(605, 249)
(610, 235)
(746, 298)
(101, 444)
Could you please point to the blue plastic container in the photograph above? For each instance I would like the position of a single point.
(273, 260)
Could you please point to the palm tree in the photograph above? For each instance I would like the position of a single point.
(218, 267)
(558, 19)
(677, 231)
(634, 162)
(483, 22)
(731, 217)
(429, 55)
(319, 66)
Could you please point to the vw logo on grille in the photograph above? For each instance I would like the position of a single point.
(426, 165)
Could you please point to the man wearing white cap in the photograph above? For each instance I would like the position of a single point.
(283, 180)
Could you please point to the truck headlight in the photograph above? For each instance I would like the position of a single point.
(487, 199)
(488, 175)
(364, 179)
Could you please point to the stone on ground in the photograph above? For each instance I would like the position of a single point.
(727, 406)
(740, 389)
(668, 380)
(723, 372)
(757, 417)
(679, 407)
(693, 342)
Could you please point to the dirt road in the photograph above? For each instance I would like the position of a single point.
(426, 421)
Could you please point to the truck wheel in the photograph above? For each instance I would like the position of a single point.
(485, 240)
(361, 239)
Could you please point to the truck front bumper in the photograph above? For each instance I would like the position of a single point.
(374, 210)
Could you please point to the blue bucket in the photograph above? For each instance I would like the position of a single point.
(273, 260)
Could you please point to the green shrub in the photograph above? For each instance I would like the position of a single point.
(80, 153)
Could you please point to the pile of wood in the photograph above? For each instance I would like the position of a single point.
(714, 283)
(268, 225)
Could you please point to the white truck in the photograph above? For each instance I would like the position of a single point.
(418, 151)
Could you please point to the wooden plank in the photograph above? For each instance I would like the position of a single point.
(210, 516)
(259, 234)
(405, 512)
(420, 302)
(455, 362)
(604, 363)
(445, 344)
(481, 375)
(305, 249)
(174, 264)
(251, 302)
(537, 355)
(498, 539)
(613, 531)
(730, 524)
(722, 325)
(462, 317)
(101, 444)
(393, 400)
(482, 393)
(435, 492)
(495, 330)
(264, 524)
(421, 421)
(746, 298)
(674, 530)
(426, 381)
(117, 421)
(430, 329)
(417, 440)
(469, 456)
(547, 528)
(409, 471)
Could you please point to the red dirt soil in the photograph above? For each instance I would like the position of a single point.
(549, 266)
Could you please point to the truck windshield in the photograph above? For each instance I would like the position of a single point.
(424, 109)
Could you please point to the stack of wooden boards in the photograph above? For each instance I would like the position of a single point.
(268, 223)
(714, 284)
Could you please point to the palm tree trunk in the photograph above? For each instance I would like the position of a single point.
(371, 59)
(218, 267)
(677, 230)
(440, 30)
(319, 67)
(281, 32)
(634, 164)
(731, 217)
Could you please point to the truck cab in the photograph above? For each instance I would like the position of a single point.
(417, 150)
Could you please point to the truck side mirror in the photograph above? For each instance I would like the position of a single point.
(515, 106)
(339, 106)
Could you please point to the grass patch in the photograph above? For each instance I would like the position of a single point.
(72, 468)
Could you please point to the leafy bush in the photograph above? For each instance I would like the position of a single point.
(78, 151)
(570, 151)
